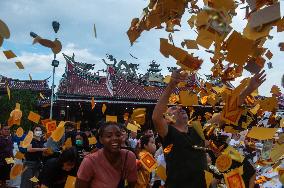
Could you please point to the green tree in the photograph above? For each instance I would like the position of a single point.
(28, 101)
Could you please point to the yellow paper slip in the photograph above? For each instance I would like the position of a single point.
(277, 152)
(161, 172)
(262, 133)
(9, 54)
(34, 117)
(104, 107)
(111, 118)
(92, 140)
(208, 178)
(20, 65)
(70, 182)
(132, 127)
(187, 99)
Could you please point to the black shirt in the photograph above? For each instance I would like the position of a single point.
(35, 156)
(53, 176)
(185, 165)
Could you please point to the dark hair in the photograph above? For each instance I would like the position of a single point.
(41, 127)
(144, 140)
(104, 126)
(69, 125)
(84, 137)
(2, 125)
(122, 127)
(68, 155)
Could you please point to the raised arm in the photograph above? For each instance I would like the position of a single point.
(161, 106)
(255, 82)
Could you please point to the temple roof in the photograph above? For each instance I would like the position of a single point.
(73, 85)
(16, 84)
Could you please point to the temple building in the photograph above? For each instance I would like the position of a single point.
(121, 89)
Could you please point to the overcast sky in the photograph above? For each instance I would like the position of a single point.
(112, 19)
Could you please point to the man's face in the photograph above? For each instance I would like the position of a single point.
(5, 131)
(178, 113)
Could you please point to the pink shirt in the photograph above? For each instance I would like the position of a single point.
(97, 170)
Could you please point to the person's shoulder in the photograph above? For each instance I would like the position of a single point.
(94, 155)
(53, 162)
(130, 153)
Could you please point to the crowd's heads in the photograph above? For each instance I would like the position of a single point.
(68, 158)
(4, 130)
(148, 143)
(110, 136)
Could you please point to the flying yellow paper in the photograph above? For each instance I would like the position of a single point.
(9, 54)
(16, 170)
(111, 118)
(27, 141)
(234, 154)
(8, 92)
(104, 108)
(277, 152)
(41, 96)
(133, 127)
(187, 99)
(255, 109)
(208, 178)
(161, 172)
(9, 160)
(282, 122)
(59, 132)
(34, 179)
(34, 117)
(148, 162)
(19, 155)
(20, 65)
(70, 182)
(167, 79)
(67, 144)
(262, 133)
(93, 103)
(92, 140)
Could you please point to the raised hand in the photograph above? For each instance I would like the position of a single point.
(254, 83)
(178, 76)
(257, 80)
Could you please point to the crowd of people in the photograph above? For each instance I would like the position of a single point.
(115, 159)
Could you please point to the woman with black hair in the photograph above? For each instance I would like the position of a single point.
(147, 144)
(81, 142)
(33, 158)
(110, 166)
(56, 170)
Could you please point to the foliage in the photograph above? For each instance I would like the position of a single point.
(28, 101)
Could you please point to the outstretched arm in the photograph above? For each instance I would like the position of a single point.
(255, 82)
(161, 107)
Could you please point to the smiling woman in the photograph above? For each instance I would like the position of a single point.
(109, 166)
